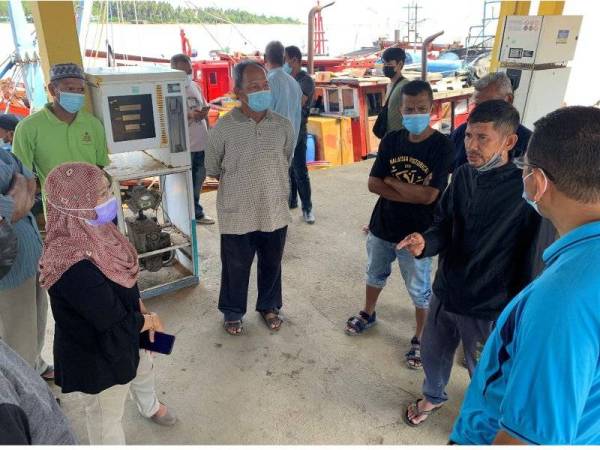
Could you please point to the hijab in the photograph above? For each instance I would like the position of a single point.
(72, 193)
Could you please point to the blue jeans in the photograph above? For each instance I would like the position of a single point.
(299, 181)
(415, 272)
(198, 177)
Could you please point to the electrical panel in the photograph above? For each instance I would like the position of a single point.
(539, 39)
(142, 108)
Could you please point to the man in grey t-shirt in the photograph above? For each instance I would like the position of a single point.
(29, 413)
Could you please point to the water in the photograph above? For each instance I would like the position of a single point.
(164, 41)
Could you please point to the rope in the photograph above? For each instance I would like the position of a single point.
(14, 77)
(99, 31)
(232, 24)
(189, 3)
(139, 35)
(122, 19)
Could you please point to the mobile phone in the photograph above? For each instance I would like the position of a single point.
(163, 342)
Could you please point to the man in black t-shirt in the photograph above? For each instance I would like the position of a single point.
(299, 181)
(410, 172)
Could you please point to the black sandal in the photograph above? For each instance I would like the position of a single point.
(355, 325)
(413, 356)
(272, 319)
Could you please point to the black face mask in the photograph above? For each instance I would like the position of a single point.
(389, 71)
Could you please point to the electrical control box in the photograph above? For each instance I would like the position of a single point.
(142, 108)
(539, 39)
(534, 53)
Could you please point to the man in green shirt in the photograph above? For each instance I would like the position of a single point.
(393, 63)
(61, 132)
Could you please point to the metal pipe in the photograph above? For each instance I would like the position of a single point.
(424, 47)
(311, 36)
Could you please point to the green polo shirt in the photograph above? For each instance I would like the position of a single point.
(42, 141)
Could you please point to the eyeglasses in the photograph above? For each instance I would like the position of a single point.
(521, 164)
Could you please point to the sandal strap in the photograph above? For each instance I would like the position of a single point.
(356, 323)
(365, 316)
(415, 405)
(413, 353)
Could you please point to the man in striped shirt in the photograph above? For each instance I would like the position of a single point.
(250, 151)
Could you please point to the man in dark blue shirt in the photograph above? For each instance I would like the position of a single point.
(494, 86)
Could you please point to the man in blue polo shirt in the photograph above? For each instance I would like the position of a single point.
(538, 379)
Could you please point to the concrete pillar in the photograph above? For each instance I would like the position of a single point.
(57, 35)
(551, 8)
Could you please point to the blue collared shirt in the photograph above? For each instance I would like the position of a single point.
(287, 97)
(29, 240)
(538, 378)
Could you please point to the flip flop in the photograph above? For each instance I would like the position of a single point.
(415, 406)
(48, 374)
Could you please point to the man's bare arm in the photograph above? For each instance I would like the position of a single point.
(413, 193)
(377, 186)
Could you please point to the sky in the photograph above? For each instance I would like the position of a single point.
(454, 17)
(386, 15)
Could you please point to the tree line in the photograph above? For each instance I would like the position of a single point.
(163, 12)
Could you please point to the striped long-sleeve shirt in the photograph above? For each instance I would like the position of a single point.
(29, 240)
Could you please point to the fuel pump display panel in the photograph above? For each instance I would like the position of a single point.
(131, 117)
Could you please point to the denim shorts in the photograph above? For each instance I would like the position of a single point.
(415, 272)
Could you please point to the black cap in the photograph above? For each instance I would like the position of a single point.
(69, 70)
(8, 122)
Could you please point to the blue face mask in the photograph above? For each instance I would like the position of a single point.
(415, 123)
(260, 101)
(287, 69)
(494, 162)
(70, 101)
(533, 203)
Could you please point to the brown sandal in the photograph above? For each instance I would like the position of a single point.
(233, 327)
(272, 319)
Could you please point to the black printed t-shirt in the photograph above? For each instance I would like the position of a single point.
(412, 163)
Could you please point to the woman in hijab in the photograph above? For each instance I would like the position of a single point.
(90, 270)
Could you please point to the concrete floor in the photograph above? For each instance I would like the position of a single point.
(310, 383)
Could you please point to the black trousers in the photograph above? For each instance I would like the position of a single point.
(299, 181)
(237, 254)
